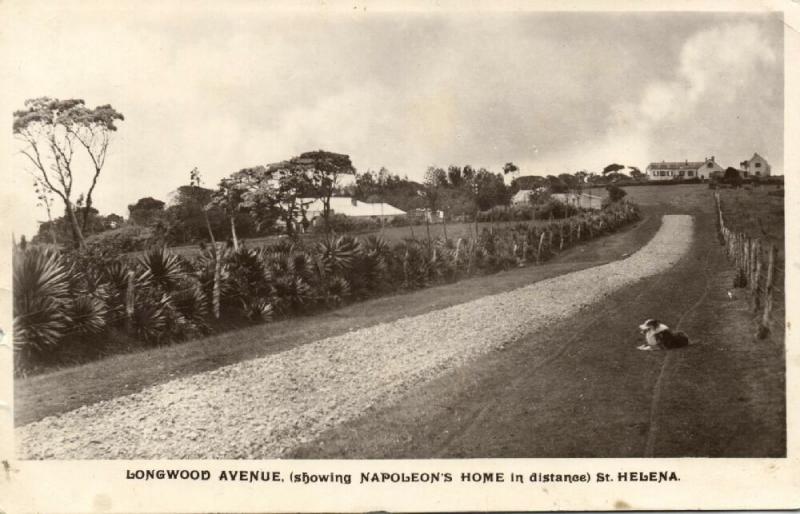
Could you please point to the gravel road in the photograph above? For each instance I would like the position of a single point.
(264, 407)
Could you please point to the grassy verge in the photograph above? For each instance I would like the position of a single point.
(66, 389)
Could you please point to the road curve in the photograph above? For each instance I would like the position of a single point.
(264, 408)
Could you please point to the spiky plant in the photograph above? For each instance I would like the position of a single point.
(151, 316)
(162, 268)
(41, 294)
(257, 309)
(338, 254)
(87, 315)
(191, 305)
(249, 279)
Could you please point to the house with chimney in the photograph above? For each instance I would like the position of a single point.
(756, 166)
(683, 170)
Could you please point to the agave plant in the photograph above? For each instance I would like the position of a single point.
(87, 315)
(151, 316)
(41, 294)
(291, 293)
(162, 268)
(190, 304)
(248, 274)
(338, 254)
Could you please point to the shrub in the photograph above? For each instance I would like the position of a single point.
(130, 238)
(615, 193)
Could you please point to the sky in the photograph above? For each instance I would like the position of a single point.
(551, 92)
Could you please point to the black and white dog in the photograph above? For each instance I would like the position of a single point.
(658, 336)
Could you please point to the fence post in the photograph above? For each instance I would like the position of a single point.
(561, 236)
(130, 298)
(757, 277)
(550, 239)
(539, 250)
(763, 330)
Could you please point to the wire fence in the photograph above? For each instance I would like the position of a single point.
(757, 269)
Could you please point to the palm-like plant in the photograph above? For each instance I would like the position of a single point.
(189, 303)
(41, 293)
(338, 254)
(162, 268)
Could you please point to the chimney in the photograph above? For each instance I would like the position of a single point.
(712, 158)
(354, 201)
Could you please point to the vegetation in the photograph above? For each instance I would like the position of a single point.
(51, 131)
(71, 297)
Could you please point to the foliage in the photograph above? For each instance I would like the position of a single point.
(51, 130)
(146, 211)
(615, 193)
(61, 297)
(129, 238)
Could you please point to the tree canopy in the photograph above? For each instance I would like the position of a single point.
(51, 131)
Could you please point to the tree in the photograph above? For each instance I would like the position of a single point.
(45, 200)
(611, 168)
(229, 197)
(511, 168)
(51, 131)
(556, 185)
(732, 176)
(636, 173)
(322, 171)
(615, 193)
(454, 176)
(145, 211)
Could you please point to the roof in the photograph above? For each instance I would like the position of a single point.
(684, 165)
(352, 207)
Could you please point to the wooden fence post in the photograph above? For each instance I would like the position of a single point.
(768, 291)
(539, 250)
(561, 236)
(130, 298)
(757, 278)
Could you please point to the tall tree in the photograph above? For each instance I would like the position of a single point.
(322, 171)
(229, 197)
(612, 168)
(52, 130)
(145, 211)
(511, 168)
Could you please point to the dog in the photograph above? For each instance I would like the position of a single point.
(658, 336)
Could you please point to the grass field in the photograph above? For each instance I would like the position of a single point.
(757, 212)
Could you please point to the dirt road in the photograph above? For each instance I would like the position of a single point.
(580, 389)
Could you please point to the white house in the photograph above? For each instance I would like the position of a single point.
(583, 200)
(756, 166)
(683, 170)
(352, 208)
(523, 196)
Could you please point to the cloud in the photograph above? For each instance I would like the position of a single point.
(726, 98)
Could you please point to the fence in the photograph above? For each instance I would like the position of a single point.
(756, 264)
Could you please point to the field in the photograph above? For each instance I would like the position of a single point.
(758, 212)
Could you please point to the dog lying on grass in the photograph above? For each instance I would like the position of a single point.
(658, 336)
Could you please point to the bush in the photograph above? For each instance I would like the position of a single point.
(130, 238)
(615, 193)
(554, 209)
(341, 224)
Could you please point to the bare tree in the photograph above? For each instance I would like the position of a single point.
(53, 131)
